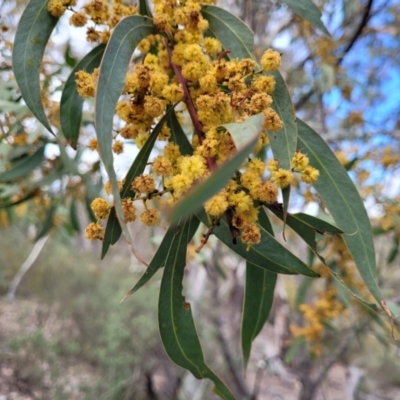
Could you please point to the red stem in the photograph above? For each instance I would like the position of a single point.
(198, 127)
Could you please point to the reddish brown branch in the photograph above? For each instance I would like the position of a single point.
(205, 238)
(188, 99)
(198, 127)
(234, 231)
(223, 54)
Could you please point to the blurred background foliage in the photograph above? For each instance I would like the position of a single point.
(66, 336)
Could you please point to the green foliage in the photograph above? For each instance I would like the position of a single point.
(269, 254)
(167, 245)
(177, 329)
(258, 300)
(344, 203)
(23, 166)
(309, 11)
(33, 33)
(71, 103)
(265, 255)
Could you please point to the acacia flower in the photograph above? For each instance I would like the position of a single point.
(272, 121)
(257, 166)
(264, 84)
(217, 205)
(128, 209)
(118, 147)
(85, 84)
(150, 217)
(56, 8)
(94, 231)
(78, 19)
(282, 177)
(299, 161)
(193, 166)
(101, 208)
(309, 175)
(267, 192)
(93, 144)
(162, 166)
(250, 235)
(271, 60)
(144, 184)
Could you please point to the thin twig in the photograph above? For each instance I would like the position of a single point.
(198, 127)
(353, 40)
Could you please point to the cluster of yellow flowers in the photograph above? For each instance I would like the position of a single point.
(101, 13)
(188, 68)
(325, 308)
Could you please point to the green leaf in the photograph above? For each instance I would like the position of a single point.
(245, 136)
(70, 164)
(258, 297)
(232, 32)
(307, 226)
(112, 232)
(5, 203)
(71, 102)
(33, 32)
(113, 228)
(283, 142)
(24, 167)
(48, 222)
(69, 58)
(73, 213)
(178, 135)
(123, 42)
(342, 200)
(309, 11)
(349, 165)
(144, 8)
(158, 261)
(88, 201)
(268, 254)
(177, 329)
(394, 250)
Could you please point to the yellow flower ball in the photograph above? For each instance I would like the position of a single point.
(150, 217)
(128, 209)
(162, 166)
(144, 184)
(94, 231)
(56, 8)
(217, 205)
(309, 175)
(101, 208)
(78, 19)
(271, 60)
(250, 235)
(282, 177)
